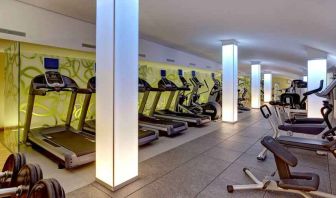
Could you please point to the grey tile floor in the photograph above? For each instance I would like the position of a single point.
(203, 167)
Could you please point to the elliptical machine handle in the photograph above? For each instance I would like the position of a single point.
(206, 84)
(265, 114)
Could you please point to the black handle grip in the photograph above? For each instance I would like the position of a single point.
(265, 114)
(329, 133)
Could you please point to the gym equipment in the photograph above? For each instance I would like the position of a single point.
(167, 85)
(302, 183)
(212, 109)
(216, 91)
(294, 98)
(312, 129)
(241, 100)
(22, 180)
(88, 126)
(298, 142)
(164, 126)
(47, 188)
(27, 177)
(62, 143)
(11, 169)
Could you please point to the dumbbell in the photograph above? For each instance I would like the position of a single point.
(26, 178)
(47, 188)
(11, 168)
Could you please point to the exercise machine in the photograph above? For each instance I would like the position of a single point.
(216, 91)
(145, 136)
(164, 126)
(305, 184)
(309, 129)
(210, 108)
(62, 143)
(241, 100)
(88, 126)
(192, 119)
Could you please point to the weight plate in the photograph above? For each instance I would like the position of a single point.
(28, 176)
(13, 166)
(47, 188)
(59, 191)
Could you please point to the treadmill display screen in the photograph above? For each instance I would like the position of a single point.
(51, 63)
(163, 73)
(54, 79)
(193, 73)
(213, 75)
(180, 72)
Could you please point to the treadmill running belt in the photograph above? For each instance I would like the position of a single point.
(145, 133)
(74, 142)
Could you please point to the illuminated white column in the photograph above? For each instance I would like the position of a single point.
(255, 85)
(230, 81)
(267, 87)
(317, 71)
(116, 109)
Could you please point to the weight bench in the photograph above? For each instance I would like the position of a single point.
(301, 183)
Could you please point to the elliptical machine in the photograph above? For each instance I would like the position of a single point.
(241, 100)
(216, 91)
(210, 108)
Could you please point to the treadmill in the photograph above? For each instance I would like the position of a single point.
(146, 136)
(192, 119)
(68, 147)
(164, 126)
(88, 126)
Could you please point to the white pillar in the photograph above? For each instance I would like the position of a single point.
(230, 81)
(267, 87)
(317, 71)
(116, 109)
(255, 85)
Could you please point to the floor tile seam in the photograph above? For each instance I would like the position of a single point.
(331, 190)
(168, 172)
(106, 193)
(222, 172)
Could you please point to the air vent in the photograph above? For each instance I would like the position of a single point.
(88, 46)
(192, 64)
(142, 55)
(170, 60)
(12, 32)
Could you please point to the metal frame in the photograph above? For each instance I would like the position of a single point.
(269, 183)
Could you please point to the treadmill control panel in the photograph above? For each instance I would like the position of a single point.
(165, 80)
(52, 76)
(54, 79)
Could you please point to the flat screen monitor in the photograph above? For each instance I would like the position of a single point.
(163, 73)
(51, 63)
(180, 72)
(193, 73)
(212, 75)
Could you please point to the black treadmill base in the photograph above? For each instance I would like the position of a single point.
(60, 163)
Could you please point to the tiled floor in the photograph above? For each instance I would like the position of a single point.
(203, 167)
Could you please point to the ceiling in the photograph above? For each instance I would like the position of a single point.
(275, 32)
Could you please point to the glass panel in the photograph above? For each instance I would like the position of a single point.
(9, 77)
(51, 110)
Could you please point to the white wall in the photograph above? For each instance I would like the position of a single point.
(44, 27)
(49, 28)
(160, 53)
